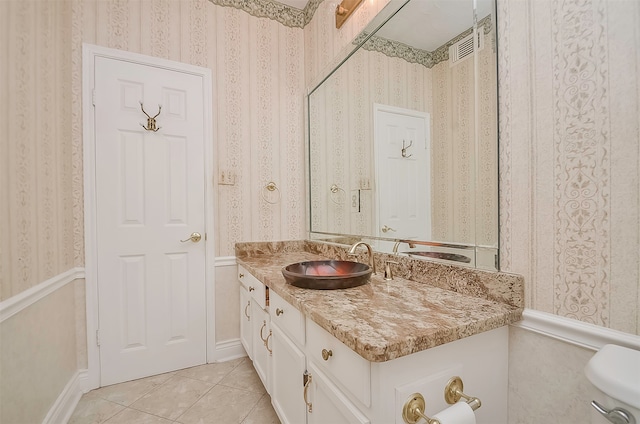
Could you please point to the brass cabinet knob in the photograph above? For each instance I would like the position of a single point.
(251, 288)
(326, 354)
(279, 312)
(241, 275)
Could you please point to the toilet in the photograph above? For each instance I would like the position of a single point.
(615, 373)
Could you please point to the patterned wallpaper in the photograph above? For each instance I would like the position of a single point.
(568, 124)
(37, 226)
(341, 133)
(258, 111)
(569, 156)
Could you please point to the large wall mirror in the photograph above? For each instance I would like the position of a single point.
(403, 141)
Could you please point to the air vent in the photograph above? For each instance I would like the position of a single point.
(464, 47)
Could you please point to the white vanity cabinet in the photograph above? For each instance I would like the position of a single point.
(314, 399)
(288, 368)
(343, 387)
(255, 325)
(246, 329)
(329, 404)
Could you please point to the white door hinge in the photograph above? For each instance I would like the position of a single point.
(98, 337)
(93, 97)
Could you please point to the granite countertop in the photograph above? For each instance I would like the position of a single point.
(383, 320)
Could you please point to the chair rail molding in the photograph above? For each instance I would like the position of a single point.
(589, 336)
(17, 303)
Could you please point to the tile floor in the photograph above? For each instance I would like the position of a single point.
(227, 392)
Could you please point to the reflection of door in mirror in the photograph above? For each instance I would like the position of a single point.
(402, 184)
(426, 58)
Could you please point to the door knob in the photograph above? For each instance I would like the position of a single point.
(385, 229)
(195, 237)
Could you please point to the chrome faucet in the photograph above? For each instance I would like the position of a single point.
(372, 262)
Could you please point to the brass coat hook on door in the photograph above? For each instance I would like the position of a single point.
(404, 149)
(151, 121)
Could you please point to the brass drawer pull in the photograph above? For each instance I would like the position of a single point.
(266, 342)
(264, 324)
(279, 312)
(245, 311)
(307, 383)
(326, 354)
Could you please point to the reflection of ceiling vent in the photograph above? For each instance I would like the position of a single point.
(464, 47)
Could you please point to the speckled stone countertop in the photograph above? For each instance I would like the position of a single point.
(384, 320)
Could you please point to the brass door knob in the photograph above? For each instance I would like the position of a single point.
(194, 237)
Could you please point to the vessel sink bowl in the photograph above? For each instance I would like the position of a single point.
(327, 275)
(442, 255)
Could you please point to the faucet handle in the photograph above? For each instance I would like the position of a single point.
(388, 274)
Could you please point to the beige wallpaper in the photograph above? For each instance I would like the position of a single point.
(547, 383)
(37, 226)
(341, 129)
(464, 199)
(570, 175)
(37, 357)
(257, 103)
(323, 43)
(569, 126)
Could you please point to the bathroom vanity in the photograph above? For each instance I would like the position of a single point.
(356, 355)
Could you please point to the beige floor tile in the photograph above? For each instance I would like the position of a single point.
(93, 410)
(244, 377)
(172, 398)
(130, 391)
(129, 416)
(221, 405)
(210, 373)
(263, 413)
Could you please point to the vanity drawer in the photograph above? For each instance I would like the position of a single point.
(288, 318)
(342, 364)
(256, 289)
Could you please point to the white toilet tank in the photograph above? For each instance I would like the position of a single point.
(615, 372)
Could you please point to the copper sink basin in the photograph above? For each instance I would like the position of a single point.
(327, 275)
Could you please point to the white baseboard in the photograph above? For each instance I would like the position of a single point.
(575, 332)
(228, 350)
(68, 399)
(15, 304)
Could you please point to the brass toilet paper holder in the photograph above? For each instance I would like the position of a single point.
(413, 409)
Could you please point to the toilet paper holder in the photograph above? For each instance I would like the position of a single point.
(413, 409)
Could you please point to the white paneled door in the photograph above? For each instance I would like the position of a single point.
(401, 145)
(150, 204)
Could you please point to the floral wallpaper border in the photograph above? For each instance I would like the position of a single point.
(411, 54)
(286, 15)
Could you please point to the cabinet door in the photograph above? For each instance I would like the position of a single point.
(288, 368)
(246, 335)
(329, 405)
(261, 344)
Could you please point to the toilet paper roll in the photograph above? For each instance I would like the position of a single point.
(460, 413)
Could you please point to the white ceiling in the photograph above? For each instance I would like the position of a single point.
(432, 22)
